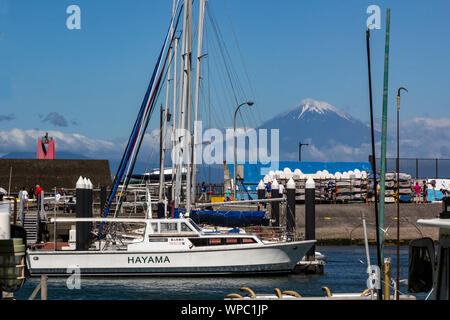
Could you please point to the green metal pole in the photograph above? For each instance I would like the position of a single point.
(384, 134)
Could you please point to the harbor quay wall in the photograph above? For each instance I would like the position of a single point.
(343, 224)
(59, 173)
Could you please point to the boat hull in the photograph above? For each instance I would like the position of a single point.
(267, 258)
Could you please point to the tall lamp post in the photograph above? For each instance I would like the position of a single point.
(250, 103)
(300, 145)
(398, 191)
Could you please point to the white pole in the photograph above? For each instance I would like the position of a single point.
(174, 113)
(188, 107)
(201, 17)
(181, 121)
(9, 186)
(163, 129)
(366, 241)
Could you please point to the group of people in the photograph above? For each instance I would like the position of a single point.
(423, 190)
(418, 190)
(34, 192)
(281, 190)
(268, 191)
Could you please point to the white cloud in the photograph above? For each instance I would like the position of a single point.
(19, 140)
(419, 138)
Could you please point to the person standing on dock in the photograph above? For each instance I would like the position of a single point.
(268, 189)
(425, 191)
(57, 198)
(203, 192)
(281, 190)
(38, 193)
(23, 194)
(23, 198)
(417, 189)
(228, 194)
(31, 193)
(378, 191)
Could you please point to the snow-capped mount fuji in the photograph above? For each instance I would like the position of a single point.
(326, 128)
(310, 106)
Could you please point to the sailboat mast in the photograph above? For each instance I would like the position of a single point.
(174, 112)
(201, 19)
(374, 167)
(188, 63)
(181, 124)
(165, 113)
(384, 132)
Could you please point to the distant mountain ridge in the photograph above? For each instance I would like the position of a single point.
(322, 126)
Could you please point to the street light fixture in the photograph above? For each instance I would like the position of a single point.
(398, 191)
(250, 103)
(300, 145)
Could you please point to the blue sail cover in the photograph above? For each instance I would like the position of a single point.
(226, 218)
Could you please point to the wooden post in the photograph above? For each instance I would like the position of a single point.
(387, 269)
(310, 216)
(290, 208)
(275, 205)
(43, 287)
(80, 208)
(261, 193)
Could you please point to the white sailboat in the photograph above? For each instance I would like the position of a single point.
(169, 246)
(165, 246)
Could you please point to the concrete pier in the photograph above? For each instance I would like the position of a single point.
(342, 224)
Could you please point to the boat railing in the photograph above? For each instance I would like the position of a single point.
(275, 234)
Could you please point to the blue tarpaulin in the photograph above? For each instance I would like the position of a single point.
(226, 218)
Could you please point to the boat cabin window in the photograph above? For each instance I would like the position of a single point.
(203, 242)
(185, 227)
(169, 227)
(154, 227)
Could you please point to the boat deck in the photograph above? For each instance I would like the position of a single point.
(49, 246)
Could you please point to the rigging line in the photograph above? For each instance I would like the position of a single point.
(210, 15)
(154, 101)
(224, 85)
(224, 52)
(231, 70)
(165, 77)
(141, 133)
(225, 88)
(126, 156)
(212, 111)
(241, 55)
(217, 119)
(134, 127)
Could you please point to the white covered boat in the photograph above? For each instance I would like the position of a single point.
(168, 246)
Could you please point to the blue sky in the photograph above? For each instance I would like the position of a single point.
(92, 81)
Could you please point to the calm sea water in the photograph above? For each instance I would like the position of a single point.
(345, 271)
